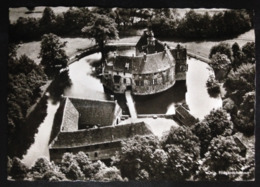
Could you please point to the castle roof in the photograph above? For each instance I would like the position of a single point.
(153, 63)
(101, 135)
(144, 65)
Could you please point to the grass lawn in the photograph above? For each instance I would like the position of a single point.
(32, 49)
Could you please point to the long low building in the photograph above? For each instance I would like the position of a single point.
(91, 126)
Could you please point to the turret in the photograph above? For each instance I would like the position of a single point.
(150, 42)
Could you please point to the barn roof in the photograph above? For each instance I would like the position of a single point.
(94, 111)
(101, 135)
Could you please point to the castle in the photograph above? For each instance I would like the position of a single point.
(154, 69)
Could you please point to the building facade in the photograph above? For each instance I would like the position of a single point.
(153, 69)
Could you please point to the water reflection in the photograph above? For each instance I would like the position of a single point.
(197, 97)
(41, 145)
(84, 85)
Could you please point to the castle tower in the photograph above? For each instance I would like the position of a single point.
(150, 42)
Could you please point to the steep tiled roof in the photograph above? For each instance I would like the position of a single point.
(98, 136)
(94, 112)
(154, 63)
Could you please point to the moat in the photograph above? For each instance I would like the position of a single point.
(86, 85)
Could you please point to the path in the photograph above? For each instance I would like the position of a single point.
(130, 104)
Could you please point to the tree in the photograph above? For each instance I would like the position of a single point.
(213, 87)
(238, 56)
(47, 21)
(221, 65)
(183, 138)
(108, 174)
(102, 29)
(222, 48)
(53, 55)
(249, 51)
(181, 165)
(18, 170)
(240, 82)
(43, 169)
(223, 156)
(203, 132)
(42, 165)
(70, 167)
(74, 172)
(74, 19)
(90, 170)
(219, 122)
(244, 119)
(136, 155)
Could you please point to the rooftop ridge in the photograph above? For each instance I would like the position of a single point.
(81, 98)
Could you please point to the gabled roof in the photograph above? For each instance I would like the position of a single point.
(188, 119)
(99, 135)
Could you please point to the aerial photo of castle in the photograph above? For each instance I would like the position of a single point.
(130, 94)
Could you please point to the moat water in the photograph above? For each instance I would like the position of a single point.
(193, 91)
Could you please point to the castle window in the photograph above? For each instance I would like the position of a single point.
(178, 55)
(96, 154)
(124, 81)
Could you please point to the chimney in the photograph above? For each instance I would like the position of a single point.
(145, 57)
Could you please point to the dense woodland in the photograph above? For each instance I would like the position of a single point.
(200, 152)
(165, 22)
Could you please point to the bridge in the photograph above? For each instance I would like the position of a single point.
(130, 104)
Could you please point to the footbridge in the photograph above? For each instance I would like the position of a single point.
(130, 104)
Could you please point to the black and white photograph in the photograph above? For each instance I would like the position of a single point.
(130, 94)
